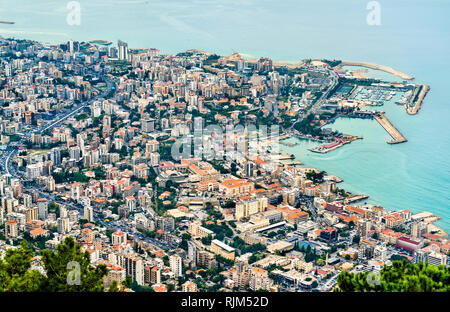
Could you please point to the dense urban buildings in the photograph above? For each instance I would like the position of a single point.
(168, 170)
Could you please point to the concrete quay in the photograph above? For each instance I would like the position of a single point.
(412, 110)
(389, 127)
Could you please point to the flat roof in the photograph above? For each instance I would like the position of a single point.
(272, 226)
(223, 245)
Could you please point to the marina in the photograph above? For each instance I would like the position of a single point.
(378, 95)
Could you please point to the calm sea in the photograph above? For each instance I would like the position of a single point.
(414, 37)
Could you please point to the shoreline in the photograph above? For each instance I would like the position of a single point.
(369, 65)
(428, 217)
(360, 74)
(292, 65)
(238, 56)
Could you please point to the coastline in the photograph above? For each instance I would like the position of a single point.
(359, 75)
(292, 65)
(369, 65)
(238, 56)
(428, 217)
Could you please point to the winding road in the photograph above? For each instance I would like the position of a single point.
(13, 148)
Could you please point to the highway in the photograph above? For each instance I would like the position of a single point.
(12, 148)
(334, 82)
(99, 219)
(60, 119)
(6, 161)
(316, 106)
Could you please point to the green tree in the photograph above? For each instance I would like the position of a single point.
(207, 240)
(185, 237)
(127, 282)
(61, 266)
(113, 287)
(15, 273)
(401, 276)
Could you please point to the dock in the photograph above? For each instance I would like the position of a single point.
(389, 127)
(292, 163)
(283, 157)
(288, 143)
(412, 110)
(335, 178)
(330, 147)
(355, 198)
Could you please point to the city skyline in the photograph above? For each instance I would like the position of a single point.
(126, 168)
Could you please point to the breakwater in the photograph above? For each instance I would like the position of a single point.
(389, 127)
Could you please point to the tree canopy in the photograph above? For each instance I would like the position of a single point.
(68, 269)
(15, 273)
(401, 276)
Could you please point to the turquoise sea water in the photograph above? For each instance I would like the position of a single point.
(414, 37)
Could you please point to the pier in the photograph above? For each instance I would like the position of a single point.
(355, 198)
(283, 157)
(389, 127)
(292, 163)
(346, 139)
(412, 110)
(288, 144)
(361, 114)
